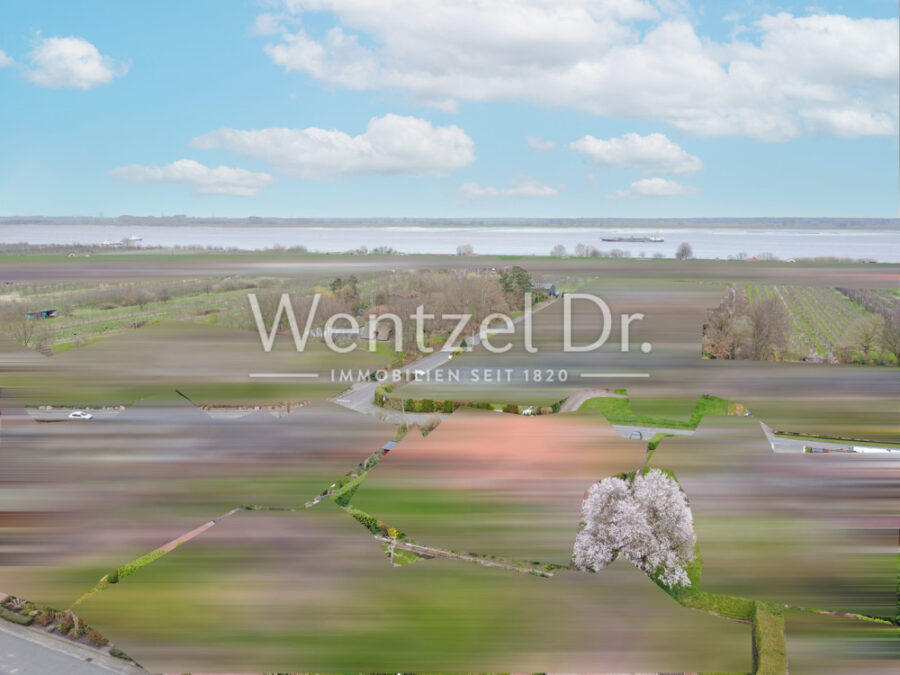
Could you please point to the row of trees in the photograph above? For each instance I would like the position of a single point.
(441, 292)
(761, 331)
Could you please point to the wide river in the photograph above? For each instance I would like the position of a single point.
(881, 245)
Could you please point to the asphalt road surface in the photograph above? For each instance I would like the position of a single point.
(24, 651)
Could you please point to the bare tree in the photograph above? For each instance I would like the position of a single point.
(767, 330)
(684, 251)
(890, 336)
(465, 249)
(719, 336)
(17, 326)
(865, 334)
(558, 251)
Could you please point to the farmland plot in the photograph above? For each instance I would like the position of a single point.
(821, 319)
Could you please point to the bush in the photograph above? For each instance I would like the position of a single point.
(447, 407)
(426, 405)
(118, 653)
(20, 619)
(43, 618)
(511, 408)
(409, 405)
(65, 624)
(96, 638)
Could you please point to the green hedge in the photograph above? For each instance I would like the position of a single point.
(14, 617)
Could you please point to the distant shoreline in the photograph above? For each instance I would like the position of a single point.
(438, 223)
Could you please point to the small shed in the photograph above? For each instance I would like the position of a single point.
(41, 314)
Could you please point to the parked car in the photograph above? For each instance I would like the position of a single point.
(80, 415)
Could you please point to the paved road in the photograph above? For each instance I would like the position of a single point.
(63, 414)
(24, 651)
(647, 433)
(361, 396)
(799, 445)
(576, 400)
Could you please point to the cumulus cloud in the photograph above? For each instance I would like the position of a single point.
(5, 59)
(849, 122)
(620, 58)
(652, 153)
(654, 187)
(70, 62)
(222, 180)
(392, 144)
(522, 186)
(538, 143)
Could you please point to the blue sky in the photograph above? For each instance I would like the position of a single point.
(689, 109)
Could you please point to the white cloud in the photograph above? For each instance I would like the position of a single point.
(222, 180)
(654, 187)
(652, 153)
(624, 59)
(392, 144)
(5, 59)
(849, 122)
(266, 24)
(538, 143)
(70, 62)
(522, 186)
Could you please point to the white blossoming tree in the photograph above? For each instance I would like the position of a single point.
(645, 519)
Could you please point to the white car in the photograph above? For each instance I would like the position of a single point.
(80, 415)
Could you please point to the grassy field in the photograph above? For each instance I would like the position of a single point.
(311, 590)
(618, 411)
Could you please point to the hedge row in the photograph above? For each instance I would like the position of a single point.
(15, 617)
(430, 405)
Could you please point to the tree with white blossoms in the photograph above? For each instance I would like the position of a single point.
(646, 519)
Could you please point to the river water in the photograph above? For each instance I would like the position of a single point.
(882, 245)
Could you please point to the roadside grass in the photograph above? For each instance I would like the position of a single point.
(769, 652)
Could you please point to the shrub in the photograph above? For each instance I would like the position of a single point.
(118, 653)
(43, 618)
(65, 624)
(511, 408)
(20, 619)
(447, 407)
(96, 638)
(409, 405)
(426, 405)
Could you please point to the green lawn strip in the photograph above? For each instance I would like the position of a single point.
(15, 617)
(342, 490)
(653, 445)
(126, 570)
(618, 411)
(394, 541)
(769, 653)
